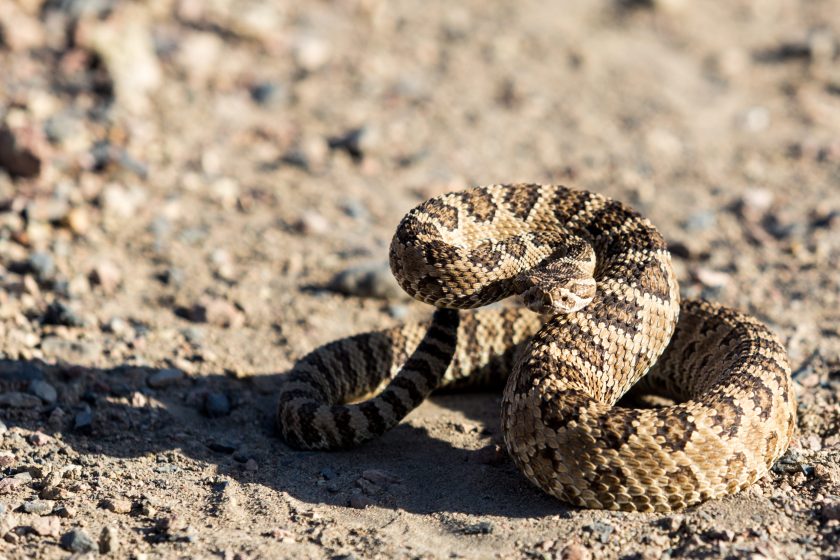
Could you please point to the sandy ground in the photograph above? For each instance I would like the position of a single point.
(182, 181)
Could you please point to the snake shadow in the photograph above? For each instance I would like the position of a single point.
(123, 413)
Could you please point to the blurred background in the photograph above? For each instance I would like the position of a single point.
(208, 187)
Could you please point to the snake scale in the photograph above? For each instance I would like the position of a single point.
(602, 315)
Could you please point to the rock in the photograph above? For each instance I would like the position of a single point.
(380, 477)
(480, 528)
(164, 378)
(20, 154)
(712, 278)
(46, 210)
(358, 142)
(700, 221)
(226, 447)
(59, 313)
(371, 280)
(119, 202)
(65, 511)
(398, 312)
(310, 153)
(574, 551)
(9, 483)
(42, 266)
(8, 521)
(312, 223)
(269, 94)
(48, 526)
(117, 505)
(66, 127)
(218, 312)
(360, 501)
(600, 531)
(19, 30)
(225, 191)
(77, 541)
(756, 202)
(310, 53)
(328, 474)
(672, 523)
(20, 372)
(7, 459)
(78, 220)
(125, 44)
(106, 155)
(107, 275)
(83, 420)
(43, 391)
(39, 439)
(251, 465)
(38, 507)
(15, 399)
(198, 54)
(109, 540)
(119, 327)
(216, 405)
(756, 119)
(3, 428)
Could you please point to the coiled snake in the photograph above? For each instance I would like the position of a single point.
(599, 277)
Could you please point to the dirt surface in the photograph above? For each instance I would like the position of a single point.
(182, 181)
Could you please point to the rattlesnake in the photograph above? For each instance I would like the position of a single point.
(570, 363)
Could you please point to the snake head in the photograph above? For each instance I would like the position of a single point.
(548, 295)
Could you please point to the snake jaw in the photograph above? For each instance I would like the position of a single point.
(547, 296)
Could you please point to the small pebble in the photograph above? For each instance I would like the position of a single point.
(370, 280)
(269, 94)
(218, 312)
(83, 420)
(358, 142)
(107, 275)
(47, 526)
(43, 391)
(7, 459)
(672, 523)
(47, 209)
(78, 220)
(480, 528)
(164, 378)
(19, 152)
(380, 477)
(600, 530)
(77, 541)
(226, 447)
(216, 405)
(312, 223)
(310, 53)
(38, 507)
(59, 313)
(574, 551)
(118, 505)
(15, 399)
(42, 266)
(360, 501)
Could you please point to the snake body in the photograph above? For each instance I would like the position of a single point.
(609, 315)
